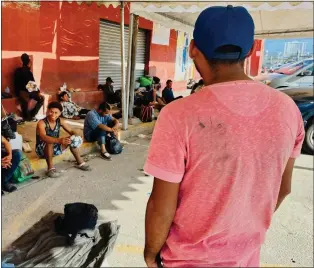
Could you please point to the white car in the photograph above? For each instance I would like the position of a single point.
(296, 75)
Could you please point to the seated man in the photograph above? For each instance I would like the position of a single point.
(96, 126)
(22, 76)
(110, 95)
(70, 109)
(50, 144)
(10, 160)
(167, 93)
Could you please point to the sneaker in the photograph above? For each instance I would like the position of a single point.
(106, 156)
(9, 188)
(53, 173)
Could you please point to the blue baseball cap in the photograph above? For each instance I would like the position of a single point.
(220, 26)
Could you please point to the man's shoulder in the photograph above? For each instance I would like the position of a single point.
(176, 108)
(90, 114)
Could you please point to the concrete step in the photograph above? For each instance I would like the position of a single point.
(87, 148)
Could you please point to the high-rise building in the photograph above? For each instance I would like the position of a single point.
(294, 48)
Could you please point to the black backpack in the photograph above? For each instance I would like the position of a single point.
(77, 217)
(113, 145)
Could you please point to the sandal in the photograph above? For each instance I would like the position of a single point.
(53, 173)
(106, 156)
(83, 167)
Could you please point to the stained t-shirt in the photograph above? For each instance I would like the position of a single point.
(92, 120)
(228, 151)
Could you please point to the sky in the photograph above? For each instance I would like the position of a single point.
(277, 45)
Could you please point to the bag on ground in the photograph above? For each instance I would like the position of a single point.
(147, 113)
(24, 170)
(113, 145)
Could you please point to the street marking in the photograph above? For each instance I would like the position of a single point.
(139, 250)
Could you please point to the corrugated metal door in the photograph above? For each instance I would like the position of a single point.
(110, 53)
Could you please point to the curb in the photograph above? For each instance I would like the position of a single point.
(86, 148)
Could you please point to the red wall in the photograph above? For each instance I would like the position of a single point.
(256, 57)
(55, 30)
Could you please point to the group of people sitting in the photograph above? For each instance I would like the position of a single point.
(151, 94)
(49, 143)
(98, 123)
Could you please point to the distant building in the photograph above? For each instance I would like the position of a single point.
(294, 48)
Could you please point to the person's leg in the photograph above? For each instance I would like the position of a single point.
(24, 98)
(48, 155)
(40, 102)
(83, 113)
(180, 97)
(77, 155)
(7, 174)
(99, 135)
(80, 162)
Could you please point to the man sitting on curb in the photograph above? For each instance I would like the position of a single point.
(167, 93)
(10, 160)
(96, 126)
(50, 144)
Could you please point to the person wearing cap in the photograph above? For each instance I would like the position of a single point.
(110, 95)
(167, 93)
(22, 76)
(221, 170)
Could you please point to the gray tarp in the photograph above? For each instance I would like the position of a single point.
(41, 246)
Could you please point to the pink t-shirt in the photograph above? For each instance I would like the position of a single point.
(227, 146)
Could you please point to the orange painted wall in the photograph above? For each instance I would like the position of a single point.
(54, 30)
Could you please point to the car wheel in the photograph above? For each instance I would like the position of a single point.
(309, 139)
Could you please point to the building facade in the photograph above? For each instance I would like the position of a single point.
(79, 44)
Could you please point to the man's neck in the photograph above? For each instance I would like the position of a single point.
(226, 75)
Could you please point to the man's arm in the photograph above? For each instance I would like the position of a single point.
(160, 211)
(42, 134)
(6, 161)
(105, 128)
(285, 187)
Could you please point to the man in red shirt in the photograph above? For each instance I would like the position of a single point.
(224, 165)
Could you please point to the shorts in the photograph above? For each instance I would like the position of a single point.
(40, 149)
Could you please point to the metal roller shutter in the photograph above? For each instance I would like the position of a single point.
(110, 53)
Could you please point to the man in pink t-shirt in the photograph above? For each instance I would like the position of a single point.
(222, 158)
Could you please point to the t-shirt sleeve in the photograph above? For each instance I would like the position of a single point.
(299, 138)
(166, 155)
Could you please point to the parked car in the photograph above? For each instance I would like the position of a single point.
(304, 99)
(296, 75)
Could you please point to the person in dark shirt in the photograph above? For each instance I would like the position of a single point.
(167, 93)
(10, 160)
(110, 95)
(22, 76)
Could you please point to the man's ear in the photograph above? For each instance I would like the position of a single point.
(252, 50)
(192, 50)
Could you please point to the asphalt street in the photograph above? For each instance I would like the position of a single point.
(120, 190)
